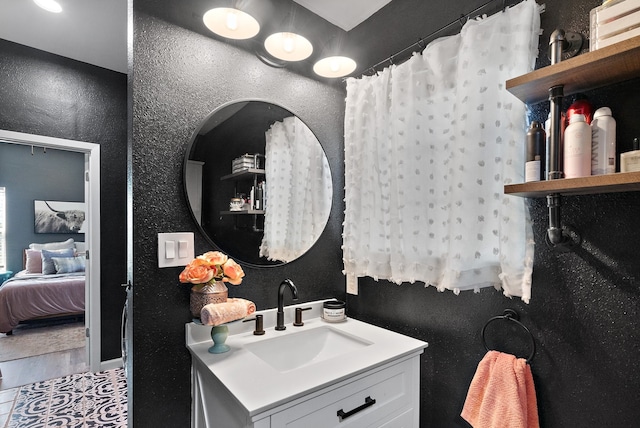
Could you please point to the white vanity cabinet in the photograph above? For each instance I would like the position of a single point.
(394, 389)
(388, 397)
(375, 385)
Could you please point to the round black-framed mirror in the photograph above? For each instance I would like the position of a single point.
(259, 154)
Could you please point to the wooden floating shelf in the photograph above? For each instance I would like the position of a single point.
(243, 174)
(609, 183)
(243, 212)
(606, 66)
(611, 64)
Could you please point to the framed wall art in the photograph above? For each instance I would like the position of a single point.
(59, 217)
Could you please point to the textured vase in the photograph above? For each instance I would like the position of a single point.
(202, 295)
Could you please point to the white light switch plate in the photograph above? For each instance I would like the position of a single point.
(168, 243)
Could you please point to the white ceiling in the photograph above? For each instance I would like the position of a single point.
(346, 14)
(91, 31)
(95, 31)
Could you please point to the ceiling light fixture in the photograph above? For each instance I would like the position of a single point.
(334, 66)
(49, 5)
(332, 62)
(231, 23)
(288, 46)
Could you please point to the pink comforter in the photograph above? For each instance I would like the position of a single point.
(26, 297)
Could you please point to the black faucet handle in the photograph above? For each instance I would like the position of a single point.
(298, 322)
(259, 329)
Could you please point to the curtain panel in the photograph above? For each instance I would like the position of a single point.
(429, 145)
(299, 190)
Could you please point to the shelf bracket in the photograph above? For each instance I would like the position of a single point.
(554, 170)
(557, 237)
(561, 238)
(564, 45)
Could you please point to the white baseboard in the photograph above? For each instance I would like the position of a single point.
(111, 364)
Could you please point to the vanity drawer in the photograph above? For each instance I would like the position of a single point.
(394, 390)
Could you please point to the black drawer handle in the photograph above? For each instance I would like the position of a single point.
(368, 402)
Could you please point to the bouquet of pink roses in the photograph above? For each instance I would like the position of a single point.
(211, 267)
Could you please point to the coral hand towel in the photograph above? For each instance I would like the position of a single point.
(501, 394)
(231, 310)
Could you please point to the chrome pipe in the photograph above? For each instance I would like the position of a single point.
(557, 44)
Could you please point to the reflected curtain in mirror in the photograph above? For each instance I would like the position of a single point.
(299, 190)
(214, 174)
(429, 145)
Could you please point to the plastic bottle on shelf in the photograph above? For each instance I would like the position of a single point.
(259, 197)
(603, 142)
(580, 105)
(577, 148)
(535, 166)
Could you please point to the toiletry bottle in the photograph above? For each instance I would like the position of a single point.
(535, 166)
(259, 197)
(580, 105)
(630, 161)
(577, 148)
(603, 142)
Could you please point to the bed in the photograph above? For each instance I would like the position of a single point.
(58, 289)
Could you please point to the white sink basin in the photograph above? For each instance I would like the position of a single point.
(307, 347)
(264, 372)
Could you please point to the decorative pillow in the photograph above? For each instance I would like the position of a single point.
(47, 264)
(33, 261)
(69, 243)
(81, 247)
(69, 264)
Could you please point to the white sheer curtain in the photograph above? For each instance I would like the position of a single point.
(429, 145)
(299, 190)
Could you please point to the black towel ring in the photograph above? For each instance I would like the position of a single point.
(510, 315)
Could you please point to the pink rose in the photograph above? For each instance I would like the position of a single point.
(214, 257)
(233, 272)
(197, 272)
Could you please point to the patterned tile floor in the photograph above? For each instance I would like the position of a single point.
(77, 401)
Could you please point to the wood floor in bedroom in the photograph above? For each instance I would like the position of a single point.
(42, 367)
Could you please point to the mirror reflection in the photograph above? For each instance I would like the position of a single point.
(258, 183)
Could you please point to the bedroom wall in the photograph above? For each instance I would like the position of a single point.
(54, 175)
(46, 94)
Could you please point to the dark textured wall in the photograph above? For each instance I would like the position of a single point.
(584, 309)
(45, 94)
(52, 175)
(585, 306)
(180, 76)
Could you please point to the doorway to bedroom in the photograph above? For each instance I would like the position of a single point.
(62, 336)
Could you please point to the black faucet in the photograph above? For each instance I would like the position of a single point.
(280, 315)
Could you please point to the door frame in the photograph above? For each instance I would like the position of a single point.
(92, 236)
